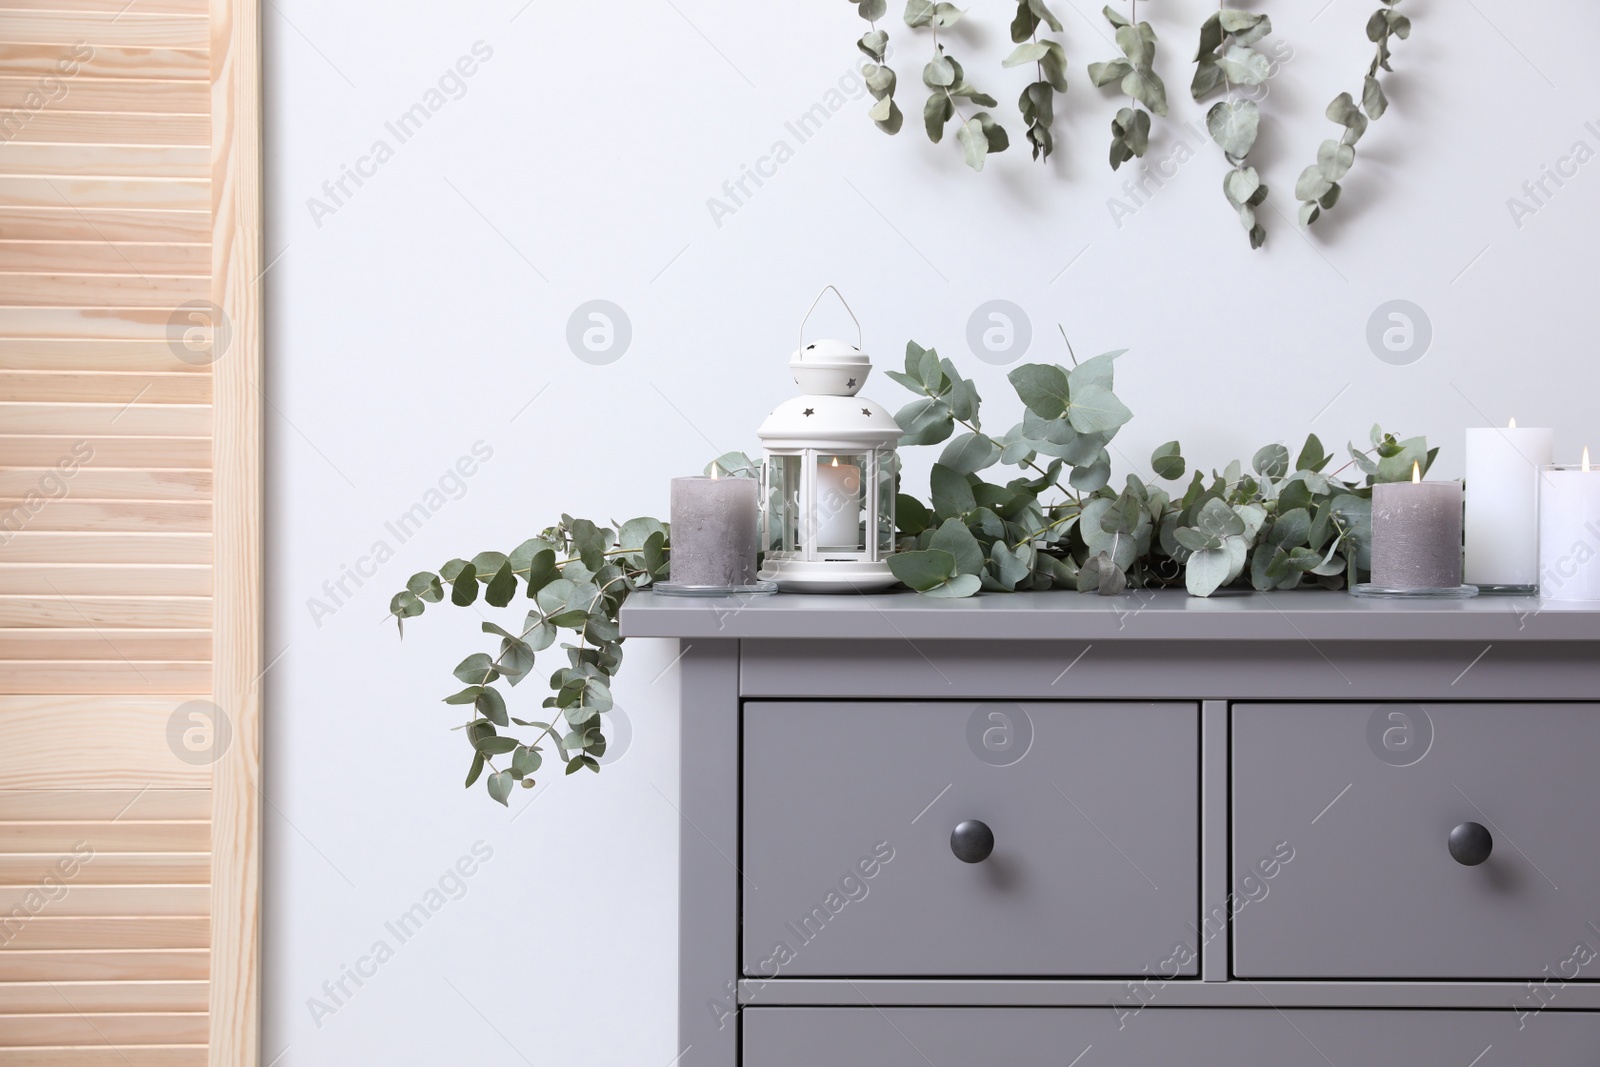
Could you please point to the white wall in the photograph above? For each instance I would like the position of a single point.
(425, 312)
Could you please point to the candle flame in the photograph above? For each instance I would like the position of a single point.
(1585, 457)
(1513, 425)
(714, 469)
(835, 461)
(1416, 472)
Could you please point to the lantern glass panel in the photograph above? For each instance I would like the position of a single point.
(783, 514)
(888, 468)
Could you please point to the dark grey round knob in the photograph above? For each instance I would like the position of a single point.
(972, 841)
(1470, 844)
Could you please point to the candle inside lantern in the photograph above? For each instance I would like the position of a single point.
(714, 531)
(838, 505)
(1502, 513)
(1569, 532)
(1416, 534)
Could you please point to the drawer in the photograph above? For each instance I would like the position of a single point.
(1367, 795)
(849, 809)
(1205, 1037)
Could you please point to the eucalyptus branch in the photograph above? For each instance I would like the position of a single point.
(1226, 58)
(944, 77)
(874, 44)
(1049, 60)
(1318, 188)
(1136, 76)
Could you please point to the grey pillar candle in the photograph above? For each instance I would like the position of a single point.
(714, 531)
(1416, 535)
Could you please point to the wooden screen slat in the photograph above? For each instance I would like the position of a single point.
(140, 7)
(112, 515)
(106, 1056)
(100, 579)
(18, 998)
(90, 932)
(176, 868)
(105, 257)
(59, 222)
(133, 324)
(163, 453)
(103, 161)
(111, 676)
(130, 418)
(116, 94)
(104, 28)
(77, 1028)
(109, 127)
(31, 546)
(80, 387)
(105, 612)
(111, 900)
(123, 835)
(103, 805)
(94, 483)
(95, 290)
(141, 647)
(155, 194)
(44, 60)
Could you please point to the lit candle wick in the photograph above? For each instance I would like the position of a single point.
(1513, 425)
(1416, 473)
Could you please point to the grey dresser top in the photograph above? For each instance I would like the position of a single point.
(1166, 615)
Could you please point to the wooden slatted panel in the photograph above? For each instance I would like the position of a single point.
(107, 220)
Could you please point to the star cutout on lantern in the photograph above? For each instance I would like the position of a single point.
(851, 384)
(810, 411)
(866, 411)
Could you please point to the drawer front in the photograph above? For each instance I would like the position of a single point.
(1367, 797)
(848, 863)
(1221, 1037)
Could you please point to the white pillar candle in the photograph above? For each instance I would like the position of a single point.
(1502, 514)
(1416, 534)
(838, 504)
(714, 531)
(1569, 532)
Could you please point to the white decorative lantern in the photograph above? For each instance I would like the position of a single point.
(829, 478)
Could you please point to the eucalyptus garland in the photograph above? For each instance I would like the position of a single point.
(1318, 188)
(1226, 58)
(1055, 523)
(1135, 73)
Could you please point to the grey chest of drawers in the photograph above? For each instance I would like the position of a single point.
(1045, 830)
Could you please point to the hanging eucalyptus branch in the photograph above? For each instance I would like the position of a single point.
(1226, 59)
(1130, 130)
(979, 134)
(874, 44)
(1037, 101)
(1318, 188)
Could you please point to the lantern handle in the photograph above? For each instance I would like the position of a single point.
(813, 307)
